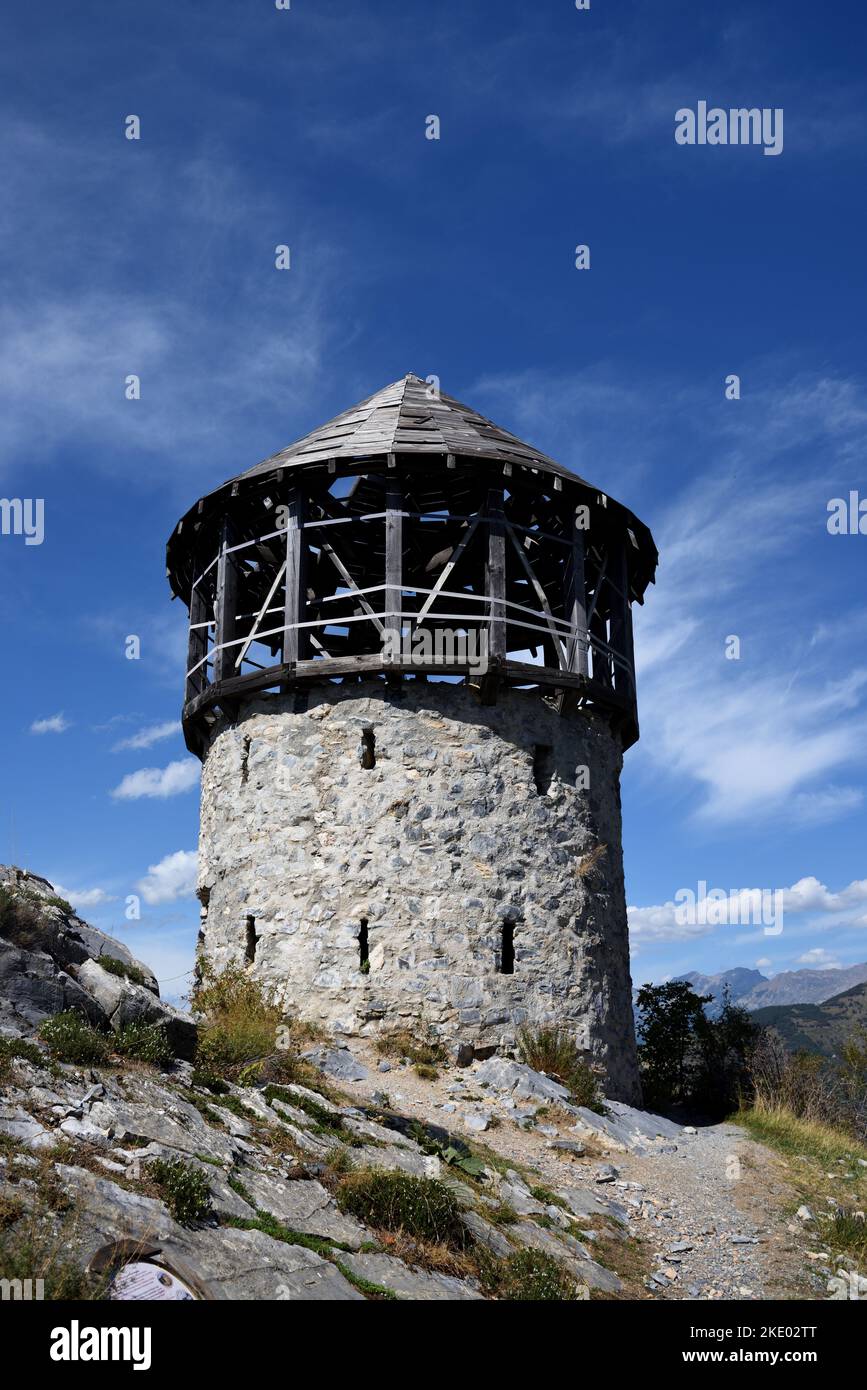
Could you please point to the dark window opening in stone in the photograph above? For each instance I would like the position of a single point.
(252, 938)
(543, 767)
(507, 949)
(245, 759)
(368, 748)
(363, 948)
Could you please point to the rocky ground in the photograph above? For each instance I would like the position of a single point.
(629, 1205)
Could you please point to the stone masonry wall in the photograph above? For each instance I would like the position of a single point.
(470, 828)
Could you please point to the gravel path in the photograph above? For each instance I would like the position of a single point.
(712, 1213)
(708, 1212)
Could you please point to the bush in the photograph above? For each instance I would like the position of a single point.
(555, 1052)
(71, 1038)
(38, 1248)
(186, 1189)
(240, 1023)
(425, 1052)
(811, 1087)
(530, 1276)
(123, 969)
(394, 1201)
(11, 1048)
(209, 1080)
(20, 922)
(148, 1042)
(848, 1232)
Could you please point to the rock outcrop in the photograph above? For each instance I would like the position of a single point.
(100, 1154)
(52, 961)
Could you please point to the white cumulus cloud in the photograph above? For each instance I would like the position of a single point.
(54, 724)
(172, 878)
(662, 921)
(84, 897)
(177, 777)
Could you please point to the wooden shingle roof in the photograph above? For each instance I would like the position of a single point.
(401, 419)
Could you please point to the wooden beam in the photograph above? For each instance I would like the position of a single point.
(621, 625)
(450, 564)
(328, 549)
(556, 637)
(522, 672)
(251, 636)
(295, 601)
(601, 658)
(197, 644)
(495, 575)
(225, 604)
(393, 556)
(575, 603)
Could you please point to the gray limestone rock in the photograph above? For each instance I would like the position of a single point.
(230, 1263)
(421, 1284)
(514, 1078)
(303, 1206)
(337, 1062)
(625, 1128)
(19, 1125)
(486, 1235)
(125, 1003)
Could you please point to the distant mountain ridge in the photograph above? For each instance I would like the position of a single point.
(822, 1028)
(752, 990)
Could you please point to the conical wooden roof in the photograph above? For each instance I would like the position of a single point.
(404, 418)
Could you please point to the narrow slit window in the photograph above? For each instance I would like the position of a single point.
(368, 748)
(252, 938)
(543, 767)
(363, 948)
(507, 949)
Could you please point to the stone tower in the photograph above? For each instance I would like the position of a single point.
(411, 683)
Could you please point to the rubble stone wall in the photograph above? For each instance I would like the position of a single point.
(382, 857)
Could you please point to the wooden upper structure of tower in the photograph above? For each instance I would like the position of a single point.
(410, 514)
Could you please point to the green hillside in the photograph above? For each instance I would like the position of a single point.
(818, 1027)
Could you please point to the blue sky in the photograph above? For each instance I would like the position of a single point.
(455, 257)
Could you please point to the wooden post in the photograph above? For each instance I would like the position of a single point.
(621, 627)
(601, 659)
(295, 639)
(393, 557)
(575, 603)
(226, 605)
(197, 645)
(495, 576)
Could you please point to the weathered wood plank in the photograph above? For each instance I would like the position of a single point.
(225, 604)
(197, 644)
(495, 575)
(393, 556)
(295, 595)
(575, 603)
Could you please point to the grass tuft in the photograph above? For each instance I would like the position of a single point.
(393, 1201)
(71, 1038)
(185, 1189)
(554, 1051)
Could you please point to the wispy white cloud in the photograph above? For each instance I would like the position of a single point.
(172, 878)
(661, 922)
(147, 737)
(86, 332)
(54, 724)
(819, 959)
(83, 898)
(783, 730)
(177, 777)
